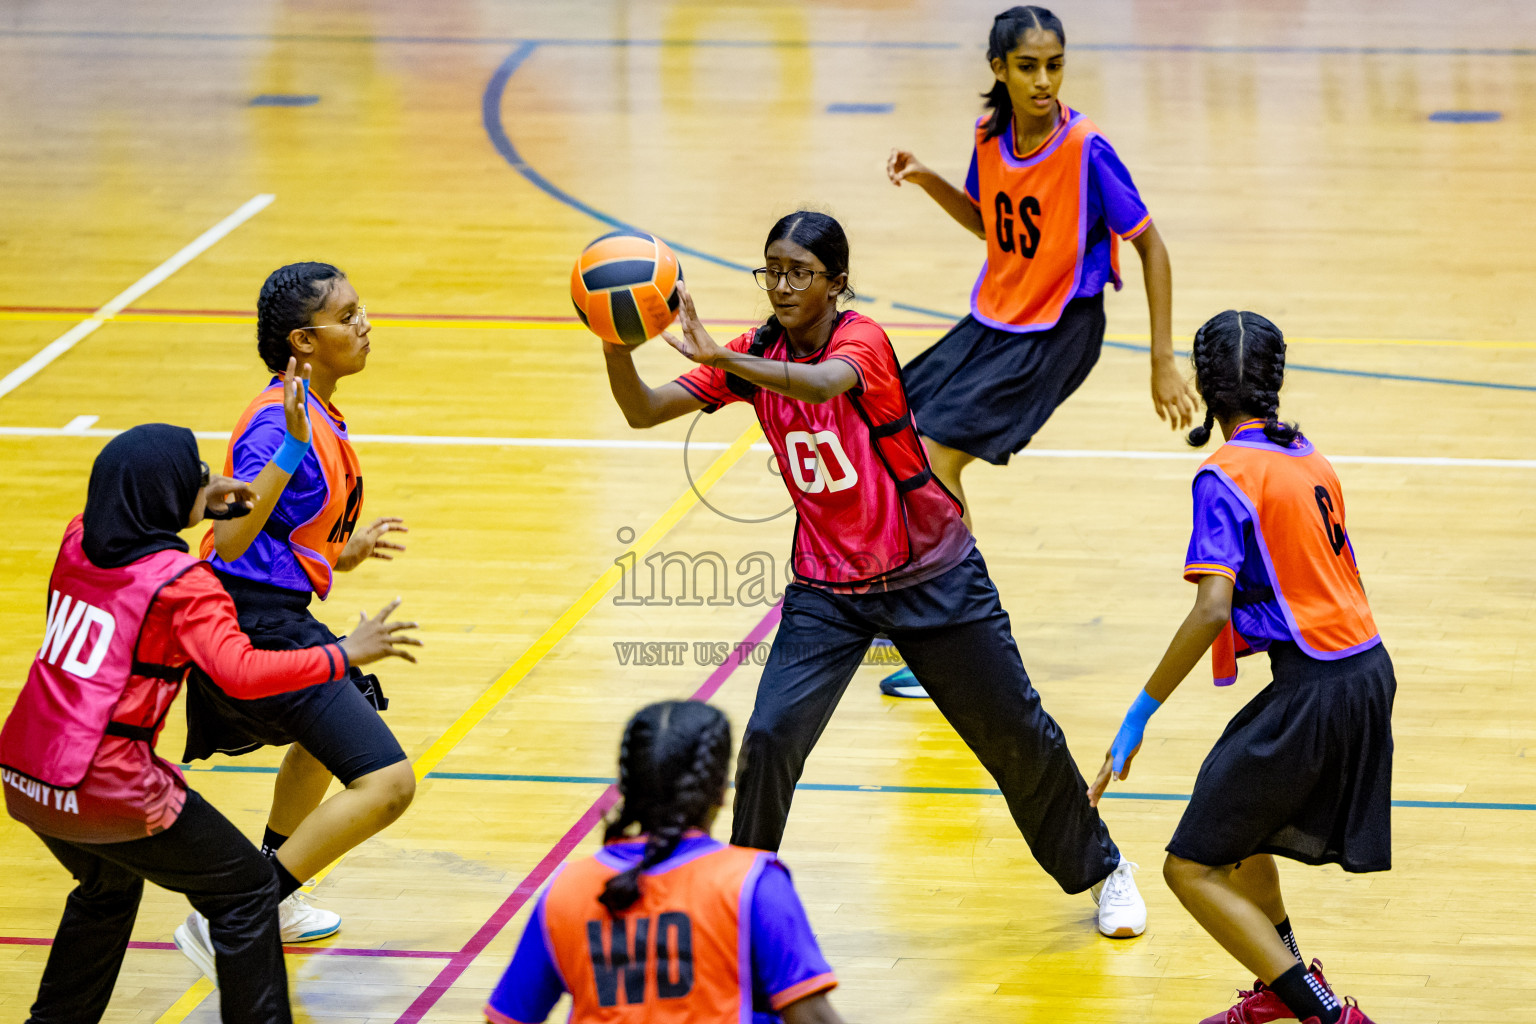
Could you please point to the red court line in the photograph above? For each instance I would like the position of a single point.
(415, 954)
(454, 968)
(491, 318)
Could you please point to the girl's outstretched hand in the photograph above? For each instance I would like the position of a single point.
(377, 638)
(903, 166)
(1172, 397)
(695, 343)
(1108, 772)
(296, 400)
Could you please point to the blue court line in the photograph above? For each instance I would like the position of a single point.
(1336, 371)
(316, 37)
(490, 114)
(843, 787)
(303, 37)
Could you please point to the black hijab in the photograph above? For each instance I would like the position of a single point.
(143, 486)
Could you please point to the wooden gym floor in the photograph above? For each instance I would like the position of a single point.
(454, 158)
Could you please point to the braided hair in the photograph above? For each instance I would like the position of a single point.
(289, 299)
(1008, 31)
(672, 767)
(1239, 366)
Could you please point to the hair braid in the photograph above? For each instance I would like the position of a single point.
(1200, 356)
(288, 300)
(1239, 362)
(684, 748)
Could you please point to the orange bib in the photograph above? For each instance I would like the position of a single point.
(318, 541)
(678, 956)
(1034, 210)
(1297, 506)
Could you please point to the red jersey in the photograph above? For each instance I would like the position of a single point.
(870, 514)
(117, 789)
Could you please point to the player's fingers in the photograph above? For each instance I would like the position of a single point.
(395, 627)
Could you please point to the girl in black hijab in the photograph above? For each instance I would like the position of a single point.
(78, 747)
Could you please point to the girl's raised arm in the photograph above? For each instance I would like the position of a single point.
(903, 166)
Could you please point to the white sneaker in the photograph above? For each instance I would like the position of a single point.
(193, 939)
(1122, 911)
(301, 922)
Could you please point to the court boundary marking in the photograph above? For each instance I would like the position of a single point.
(186, 254)
(1273, 49)
(491, 102)
(556, 322)
(632, 444)
(853, 787)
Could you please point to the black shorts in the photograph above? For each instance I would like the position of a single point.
(1304, 770)
(337, 722)
(987, 392)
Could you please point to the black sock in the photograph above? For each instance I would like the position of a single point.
(287, 885)
(1306, 997)
(271, 842)
(1289, 938)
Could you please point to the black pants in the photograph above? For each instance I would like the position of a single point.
(956, 639)
(202, 856)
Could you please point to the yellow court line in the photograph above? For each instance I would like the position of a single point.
(567, 325)
(520, 668)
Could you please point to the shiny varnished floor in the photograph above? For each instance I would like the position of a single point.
(457, 157)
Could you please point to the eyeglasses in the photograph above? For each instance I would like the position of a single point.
(799, 278)
(206, 476)
(355, 321)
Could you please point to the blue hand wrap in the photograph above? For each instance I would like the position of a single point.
(1132, 729)
(291, 454)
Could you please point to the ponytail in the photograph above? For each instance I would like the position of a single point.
(1008, 31)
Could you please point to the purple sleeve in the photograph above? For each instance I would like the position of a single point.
(531, 985)
(305, 494)
(787, 964)
(1216, 543)
(1124, 211)
(261, 440)
(973, 181)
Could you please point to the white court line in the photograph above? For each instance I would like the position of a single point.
(80, 424)
(66, 341)
(626, 444)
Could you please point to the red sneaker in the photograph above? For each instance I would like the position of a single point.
(1352, 1014)
(1260, 1005)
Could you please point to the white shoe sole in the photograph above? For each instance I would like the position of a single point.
(193, 951)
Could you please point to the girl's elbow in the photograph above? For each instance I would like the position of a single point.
(1215, 615)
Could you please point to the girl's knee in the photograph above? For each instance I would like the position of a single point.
(392, 788)
(1181, 874)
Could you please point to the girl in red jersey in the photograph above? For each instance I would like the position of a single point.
(305, 528)
(669, 925)
(1052, 200)
(879, 546)
(1305, 769)
(129, 612)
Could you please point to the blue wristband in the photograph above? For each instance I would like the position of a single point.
(291, 454)
(1132, 729)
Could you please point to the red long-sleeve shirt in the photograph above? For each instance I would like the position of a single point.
(129, 792)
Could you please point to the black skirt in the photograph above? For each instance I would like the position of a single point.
(987, 392)
(1304, 770)
(337, 722)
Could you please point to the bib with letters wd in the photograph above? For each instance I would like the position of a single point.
(318, 541)
(84, 667)
(1034, 211)
(680, 954)
(1297, 506)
